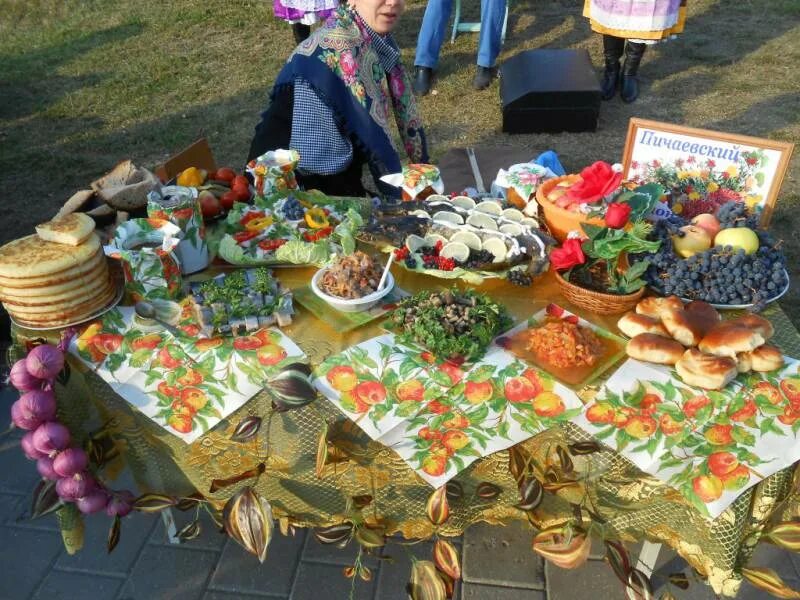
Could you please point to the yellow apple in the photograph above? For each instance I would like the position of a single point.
(694, 239)
(738, 237)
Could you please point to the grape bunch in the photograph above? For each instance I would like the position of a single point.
(478, 258)
(519, 277)
(292, 210)
(735, 214)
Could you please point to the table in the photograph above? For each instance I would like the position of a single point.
(633, 505)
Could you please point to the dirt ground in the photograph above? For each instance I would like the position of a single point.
(84, 84)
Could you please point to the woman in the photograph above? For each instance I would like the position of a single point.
(338, 100)
(640, 22)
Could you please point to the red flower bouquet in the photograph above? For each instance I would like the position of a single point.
(597, 181)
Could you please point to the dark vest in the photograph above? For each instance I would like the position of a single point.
(275, 131)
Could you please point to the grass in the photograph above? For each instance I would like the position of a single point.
(84, 84)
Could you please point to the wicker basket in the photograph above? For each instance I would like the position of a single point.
(561, 221)
(597, 302)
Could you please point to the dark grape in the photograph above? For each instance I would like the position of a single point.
(519, 277)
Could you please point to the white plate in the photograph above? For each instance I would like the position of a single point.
(744, 306)
(355, 305)
(94, 315)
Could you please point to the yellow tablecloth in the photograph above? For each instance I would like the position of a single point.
(632, 505)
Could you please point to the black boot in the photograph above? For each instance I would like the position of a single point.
(300, 31)
(629, 90)
(483, 77)
(612, 52)
(422, 80)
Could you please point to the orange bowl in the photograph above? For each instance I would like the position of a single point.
(561, 221)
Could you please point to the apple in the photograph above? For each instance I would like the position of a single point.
(454, 440)
(791, 389)
(694, 240)
(745, 413)
(707, 487)
(209, 204)
(602, 412)
(649, 404)
(548, 404)
(769, 391)
(641, 426)
(719, 435)
(738, 237)
(722, 463)
(708, 222)
(736, 479)
(669, 426)
(556, 193)
(228, 198)
(693, 405)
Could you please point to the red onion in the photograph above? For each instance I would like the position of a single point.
(45, 361)
(70, 461)
(39, 404)
(121, 504)
(72, 488)
(50, 436)
(45, 467)
(27, 447)
(92, 502)
(21, 378)
(22, 418)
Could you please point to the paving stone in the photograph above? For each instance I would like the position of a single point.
(62, 585)
(332, 554)
(136, 528)
(26, 556)
(394, 576)
(502, 556)
(11, 507)
(19, 473)
(477, 591)
(782, 561)
(235, 596)
(593, 580)
(317, 580)
(210, 537)
(239, 571)
(169, 573)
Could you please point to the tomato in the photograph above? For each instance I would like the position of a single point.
(227, 199)
(319, 234)
(268, 245)
(242, 193)
(240, 181)
(224, 174)
(243, 236)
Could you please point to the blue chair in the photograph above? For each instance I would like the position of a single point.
(459, 27)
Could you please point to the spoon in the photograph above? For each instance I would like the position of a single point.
(148, 311)
(386, 271)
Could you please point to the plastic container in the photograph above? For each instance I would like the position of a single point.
(355, 305)
(561, 221)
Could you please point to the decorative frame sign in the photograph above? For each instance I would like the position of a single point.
(698, 162)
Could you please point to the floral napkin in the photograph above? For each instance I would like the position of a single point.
(709, 445)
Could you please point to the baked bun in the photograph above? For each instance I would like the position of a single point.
(755, 322)
(656, 307)
(744, 362)
(654, 348)
(766, 358)
(729, 340)
(688, 327)
(704, 370)
(704, 308)
(632, 324)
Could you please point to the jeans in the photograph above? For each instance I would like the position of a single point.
(432, 32)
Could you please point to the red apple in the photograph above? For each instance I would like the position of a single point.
(708, 222)
(722, 463)
(209, 204)
(707, 487)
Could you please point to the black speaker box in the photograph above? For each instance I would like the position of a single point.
(548, 91)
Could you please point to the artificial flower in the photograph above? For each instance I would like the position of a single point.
(617, 214)
(597, 181)
(569, 255)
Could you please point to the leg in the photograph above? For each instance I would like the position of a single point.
(300, 31)
(492, 16)
(612, 52)
(630, 80)
(431, 34)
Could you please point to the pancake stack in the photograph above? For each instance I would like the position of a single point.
(49, 284)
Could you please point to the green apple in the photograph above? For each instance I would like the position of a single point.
(738, 237)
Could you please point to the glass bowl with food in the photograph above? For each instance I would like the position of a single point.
(350, 283)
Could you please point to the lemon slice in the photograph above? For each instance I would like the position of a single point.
(511, 229)
(496, 247)
(490, 208)
(464, 202)
(482, 221)
(420, 213)
(528, 222)
(415, 242)
(469, 239)
(432, 238)
(456, 251)
(436, 198)
(448, 217)
(512, 214)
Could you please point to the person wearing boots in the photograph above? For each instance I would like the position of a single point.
(302, 14)
(431, 35)
(628, 27)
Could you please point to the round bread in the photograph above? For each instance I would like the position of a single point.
(55, 308)
(66, 276)
(655, 306)
(76, 282)
(62, 318)
(744, 362)
(729, 340)
(31, 256)
(688, 327)
(82, 292)
(71, 229)
(632, 324)
(654, 348)
(751, 321)
(766, 358)
(706, 371)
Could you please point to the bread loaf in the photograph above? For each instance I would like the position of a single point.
(688, 327)
(632, 324)
(704, 370)
(766, 358)
(126, 186)
(655, 306)
(730, 340)
(654, 348)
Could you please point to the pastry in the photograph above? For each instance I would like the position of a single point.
(632, 324)
(654, 348)
(655, 306)
(729, 340)
(766, 358)
(752, 321)
(704, 370)
(688, 327)
(71, 229)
